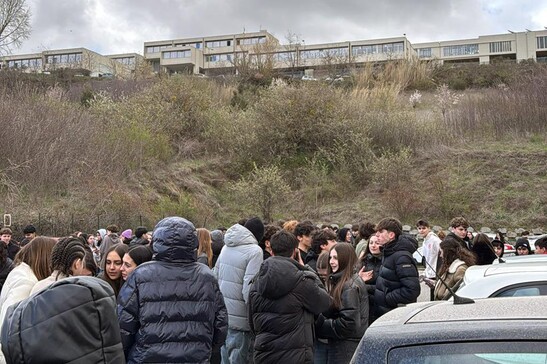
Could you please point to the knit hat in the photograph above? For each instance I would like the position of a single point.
(140, 231)
(523, 242)
(127, 234)
(29, 229)
(255, 226)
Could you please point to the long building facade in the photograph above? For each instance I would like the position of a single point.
(228, 53)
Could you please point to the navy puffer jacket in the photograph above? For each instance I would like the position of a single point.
(171, 309)
(397, 283)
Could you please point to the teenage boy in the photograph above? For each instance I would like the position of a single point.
(430, 252)
(398, 281)
(458, 232)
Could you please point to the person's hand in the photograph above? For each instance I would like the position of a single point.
(298, 257)
(429, 282)
(366, 275)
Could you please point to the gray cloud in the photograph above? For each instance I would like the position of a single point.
(120, 26)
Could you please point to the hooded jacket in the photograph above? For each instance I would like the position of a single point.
(237, 264)
(171, 309)
(74, 320)
(283, 299)
(398, 281)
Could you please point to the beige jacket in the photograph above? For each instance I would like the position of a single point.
(453, 278)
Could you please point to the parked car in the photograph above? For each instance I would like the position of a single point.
(505, 330)
(308, 78)
(524, 278)
(523, 258)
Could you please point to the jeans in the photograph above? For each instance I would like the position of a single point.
(238, 348)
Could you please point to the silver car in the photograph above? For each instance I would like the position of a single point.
(521, 277)
(505, 330)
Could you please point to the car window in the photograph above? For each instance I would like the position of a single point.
(471, 353)
(520, 292)
(538, 289)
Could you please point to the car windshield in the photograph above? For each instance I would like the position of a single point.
(471, 353)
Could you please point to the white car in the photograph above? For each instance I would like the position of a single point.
(526, 278)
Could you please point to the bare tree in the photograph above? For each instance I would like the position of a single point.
(256, 63)
(291, 57)
(14, 24)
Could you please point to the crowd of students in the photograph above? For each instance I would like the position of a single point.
(293, 291)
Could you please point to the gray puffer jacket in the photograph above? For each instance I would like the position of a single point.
(237, 264)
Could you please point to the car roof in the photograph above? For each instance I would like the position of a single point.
(477, 272)
(501, 319)
(504, 308)
(523, 258)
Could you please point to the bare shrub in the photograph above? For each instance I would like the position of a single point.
(410, 73)
(264, 190)
(504, 111)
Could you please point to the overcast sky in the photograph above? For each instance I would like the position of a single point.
(121, 26)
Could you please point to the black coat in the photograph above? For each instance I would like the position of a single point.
(283, 299)
(4, 271)
(73, 320)
(350, 321)
(171, 309)
(398, 283)
(464, 243)
(374, 264)
(13, 249)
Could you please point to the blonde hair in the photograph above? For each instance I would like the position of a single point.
(290, 225)
(204, 238)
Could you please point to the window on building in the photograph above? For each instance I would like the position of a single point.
(285, 56)
(25, 63)
(542, 42)
(251, 41)
(218, 43)
(387, 48)
(424, 53)
(497, 47)
(70, 58)
(156, 49)
(176, 54)
(460, 50)
(128, 61)
(218, 58)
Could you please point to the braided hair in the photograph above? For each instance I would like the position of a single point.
(65, 252)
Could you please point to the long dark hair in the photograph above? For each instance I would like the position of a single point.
(121, 250)
(453, 250)
(483, 249)
(346, 265)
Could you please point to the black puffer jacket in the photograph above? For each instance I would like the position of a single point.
(74, 320)
(283, 298)
(397, 283)
(171, 309)
(350, 321)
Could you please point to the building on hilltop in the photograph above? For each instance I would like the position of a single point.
(215, 54)
(515, 46)
(230, 54)
(78, 59)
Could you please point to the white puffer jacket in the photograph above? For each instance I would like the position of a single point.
(237, 264)
(17, 287)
